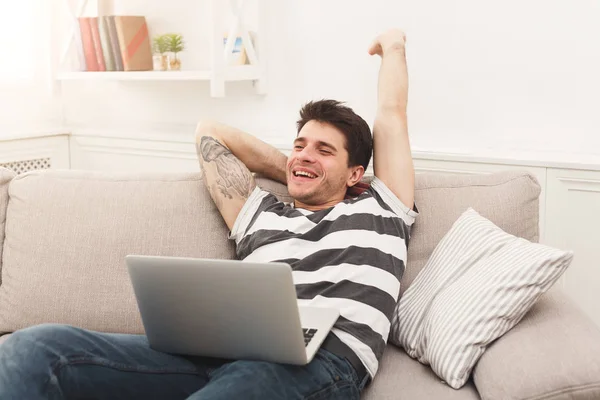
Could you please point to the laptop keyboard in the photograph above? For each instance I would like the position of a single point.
(308, 335)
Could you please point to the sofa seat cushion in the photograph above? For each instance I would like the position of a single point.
(401, 377)
(552, 354)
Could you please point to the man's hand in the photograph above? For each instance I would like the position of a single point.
(389, 40)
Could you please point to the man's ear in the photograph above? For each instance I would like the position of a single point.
(357, 175)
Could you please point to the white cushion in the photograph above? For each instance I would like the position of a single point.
(478, 283)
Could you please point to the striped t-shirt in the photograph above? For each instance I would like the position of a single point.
(350, 257)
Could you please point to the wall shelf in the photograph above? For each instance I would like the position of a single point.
(218, 73)
(234, 73)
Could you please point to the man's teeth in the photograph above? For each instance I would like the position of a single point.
(307, 174)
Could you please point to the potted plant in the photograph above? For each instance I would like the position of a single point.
(160, 46)
(175, 45)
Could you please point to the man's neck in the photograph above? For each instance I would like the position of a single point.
(317, 207)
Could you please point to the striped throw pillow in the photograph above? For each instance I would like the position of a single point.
(478, 283)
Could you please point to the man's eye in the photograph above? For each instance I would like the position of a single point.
(325, 152)
(297, 147)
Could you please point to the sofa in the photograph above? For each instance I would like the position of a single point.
(64, 235)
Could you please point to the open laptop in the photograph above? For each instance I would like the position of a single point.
(226, 309)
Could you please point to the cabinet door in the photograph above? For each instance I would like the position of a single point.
(572, 223)
(132, 155)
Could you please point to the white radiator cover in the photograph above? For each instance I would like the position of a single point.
(22, 166)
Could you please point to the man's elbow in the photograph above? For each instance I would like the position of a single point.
(207, 128)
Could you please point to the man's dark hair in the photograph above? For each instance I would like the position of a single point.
(359, 142)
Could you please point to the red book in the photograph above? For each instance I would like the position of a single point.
(89, 51)
(97, 43)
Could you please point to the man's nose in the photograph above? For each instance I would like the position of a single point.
(306, 155)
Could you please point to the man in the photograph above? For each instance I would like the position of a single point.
(347, 250)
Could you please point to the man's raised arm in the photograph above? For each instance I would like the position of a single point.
(228, 156)
(392, 158)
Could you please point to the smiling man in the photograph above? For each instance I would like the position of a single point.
(347, 249)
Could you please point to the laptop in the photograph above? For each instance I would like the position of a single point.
(226, 309)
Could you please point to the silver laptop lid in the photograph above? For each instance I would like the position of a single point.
(218, 308)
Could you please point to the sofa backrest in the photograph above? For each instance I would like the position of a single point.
(69, 231)
(510, 199)
(6, 176)
(68, 234)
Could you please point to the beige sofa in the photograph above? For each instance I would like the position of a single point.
(64, 235)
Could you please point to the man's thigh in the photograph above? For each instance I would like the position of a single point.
(60, 361)
(326, 377)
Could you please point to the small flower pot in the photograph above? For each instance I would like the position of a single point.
(160, 62)
(174, 63)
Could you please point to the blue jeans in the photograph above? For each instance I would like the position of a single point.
(63, 362)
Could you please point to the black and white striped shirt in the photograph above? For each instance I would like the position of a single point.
(350, 256)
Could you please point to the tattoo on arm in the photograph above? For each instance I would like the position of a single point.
(232, 176)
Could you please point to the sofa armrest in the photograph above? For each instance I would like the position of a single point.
(553, 353)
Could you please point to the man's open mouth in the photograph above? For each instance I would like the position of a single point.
(304, 174)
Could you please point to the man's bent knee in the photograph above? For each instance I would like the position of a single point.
(53, 338)
(41, 333)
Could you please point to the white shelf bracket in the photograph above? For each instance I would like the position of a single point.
(239, 29)
(72, 38)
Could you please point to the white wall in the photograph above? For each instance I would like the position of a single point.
(511, 75)
(28, 100)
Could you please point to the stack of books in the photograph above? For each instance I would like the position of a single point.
(115, 43)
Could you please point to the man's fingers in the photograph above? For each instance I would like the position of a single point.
(386, 40)
(375, 48)
(372, 48)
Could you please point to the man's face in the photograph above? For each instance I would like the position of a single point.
(317, 168)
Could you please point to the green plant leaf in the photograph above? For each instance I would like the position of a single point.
(175, 42)
(160, 44)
